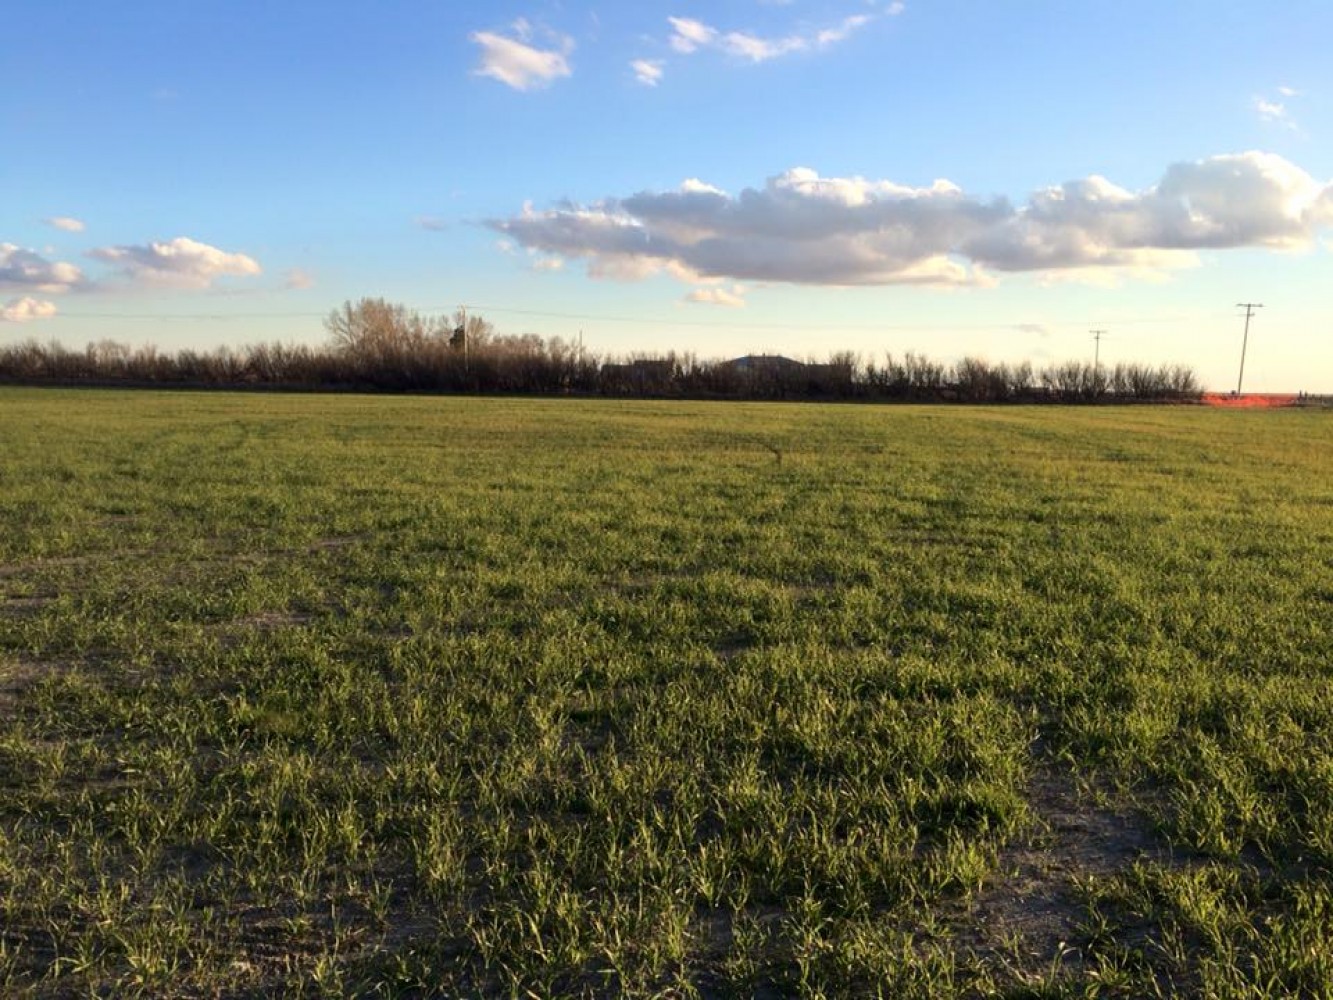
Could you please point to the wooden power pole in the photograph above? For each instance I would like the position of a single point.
(1249, 308)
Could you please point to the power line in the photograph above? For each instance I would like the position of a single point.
(179, 316)
(635, 320)
(872, 327)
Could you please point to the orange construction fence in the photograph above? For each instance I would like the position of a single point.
(1250, 400)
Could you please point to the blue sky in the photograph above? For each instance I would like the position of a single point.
(752, 175)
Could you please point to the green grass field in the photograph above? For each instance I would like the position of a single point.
(441, 696)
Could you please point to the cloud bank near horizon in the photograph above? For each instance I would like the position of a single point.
(801, 228)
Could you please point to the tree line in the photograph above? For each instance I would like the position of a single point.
(375, 345)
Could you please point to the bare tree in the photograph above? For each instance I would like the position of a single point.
(373, 327)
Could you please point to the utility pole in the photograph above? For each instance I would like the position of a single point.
(467, 346)
(1097, 336)
(1097, 360)
(1249, 308)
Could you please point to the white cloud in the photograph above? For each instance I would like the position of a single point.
(1275, 110)
(1243, 199)
(745, 46)
(692, 185)
(23, 270)
(519, 65)
(1239, 200)
(25, 309)
(647, 71)
(830, 36)
(799, 228)
(689, 35)
(1271, 111)
(182, 262)
(733, 298)
(434, 223)
(549, 264)
(802, 228)
(65, 222)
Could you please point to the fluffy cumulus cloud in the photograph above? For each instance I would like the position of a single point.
(24, 270)
(517, 61)
(66, 223)
(1238, 200)
(798, 228)
(25, 309)
(802, 228)
(182, 263)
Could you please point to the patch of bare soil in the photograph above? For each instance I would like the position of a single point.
(16, 676)
(231, 633)
(269, 621)
(1030, 920)
(732, 644)
(19, 607)
(337, 542)
(275, 619)
(8, 570)
(11, 570)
